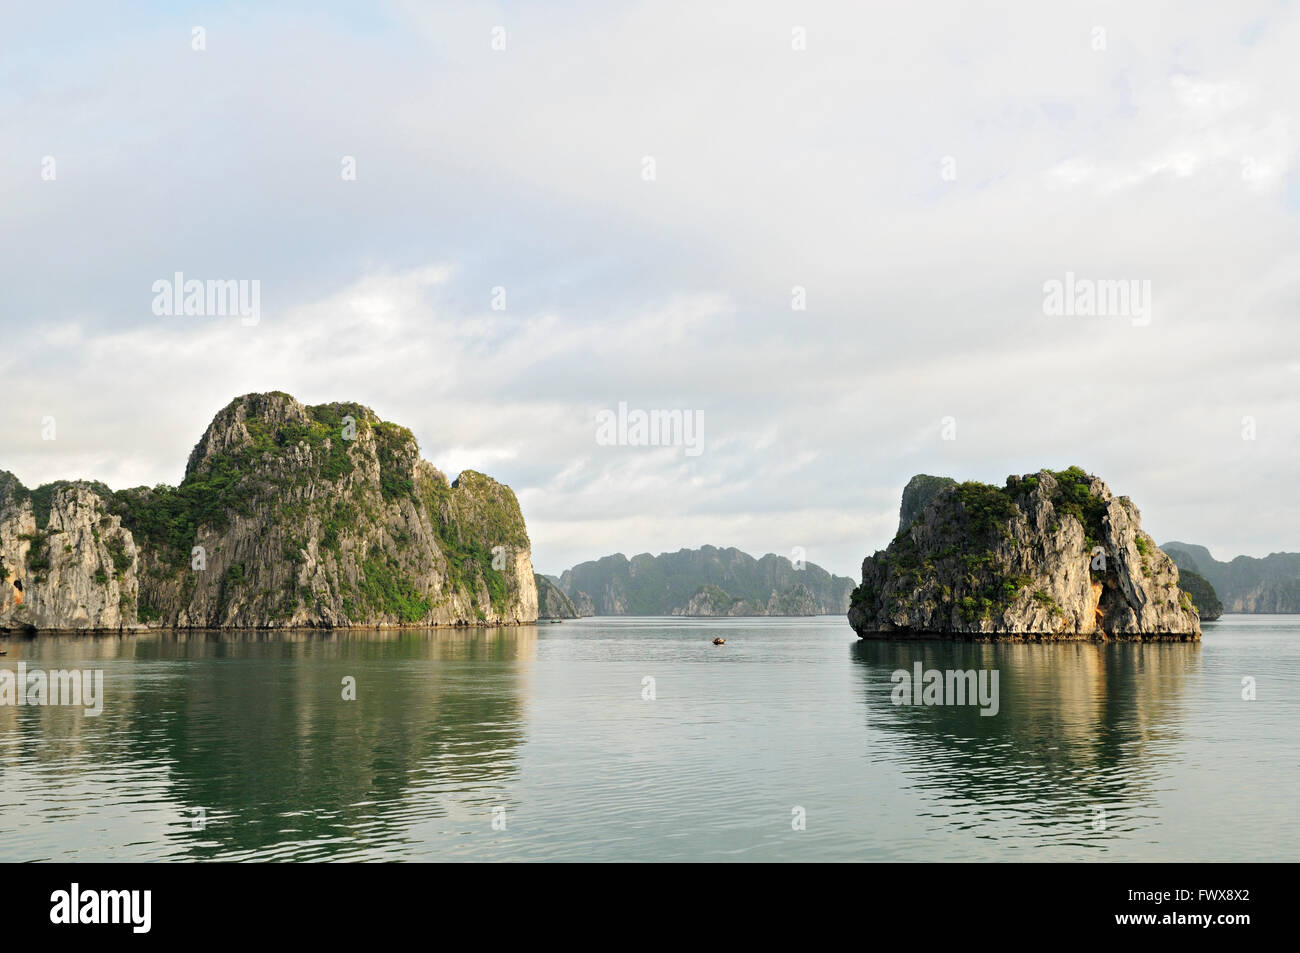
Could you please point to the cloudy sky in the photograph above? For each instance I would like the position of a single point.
(920, 172)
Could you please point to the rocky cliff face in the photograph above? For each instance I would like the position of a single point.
(552, 603)
(582, 602)
(918, 493)
(715, 601)
(1206, 600)
(1051, 555)
(65, 561)
(1247, 583)
(706, 581)
(288, 516)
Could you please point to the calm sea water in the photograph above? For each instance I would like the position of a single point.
(238, 746)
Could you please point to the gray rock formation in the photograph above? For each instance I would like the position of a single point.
(77, 570)
(1206, 600)
(920, 490)
(707, 581)
(287, 516)
(552, 603)
(715, 601)
(1247, 583)
(1050, 556)
(582, 602)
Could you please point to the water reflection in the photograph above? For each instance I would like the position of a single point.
(1073, 753)
(264, 745)
(553, 724)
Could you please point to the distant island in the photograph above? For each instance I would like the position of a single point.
(1206, 600)
(703, 582)
(1049, 556)
(325, 516)
(553, 603)
(287, 516)
(1247, 583)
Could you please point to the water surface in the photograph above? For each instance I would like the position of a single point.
(239, 746)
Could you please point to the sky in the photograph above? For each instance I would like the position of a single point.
(824, 230)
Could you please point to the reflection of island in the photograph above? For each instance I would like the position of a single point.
(1078, 728)
(257, 733)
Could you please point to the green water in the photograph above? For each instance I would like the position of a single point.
(1097, 752)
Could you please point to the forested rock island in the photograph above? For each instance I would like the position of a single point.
(287, 516)
(709, 581)
(1049, 556)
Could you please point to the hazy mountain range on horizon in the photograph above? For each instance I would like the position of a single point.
(1246, 583)
(722, 581)
(708, 581)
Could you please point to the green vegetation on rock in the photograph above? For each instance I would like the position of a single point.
(552, 603)
(1247, 583)
(38, 553)
(1073, 497)
(321, 515)
(668, 583)
(228, 483)
(920, 490)
(385, 589)
(1202, 594)
(1016, 560)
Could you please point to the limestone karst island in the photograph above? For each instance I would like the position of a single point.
(1049, 556)
(287, 516)
(325, 516)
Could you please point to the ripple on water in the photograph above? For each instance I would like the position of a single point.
(243, 749)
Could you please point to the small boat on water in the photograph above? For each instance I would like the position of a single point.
(719, 641)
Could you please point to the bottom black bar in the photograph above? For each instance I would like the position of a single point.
(212, 902)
